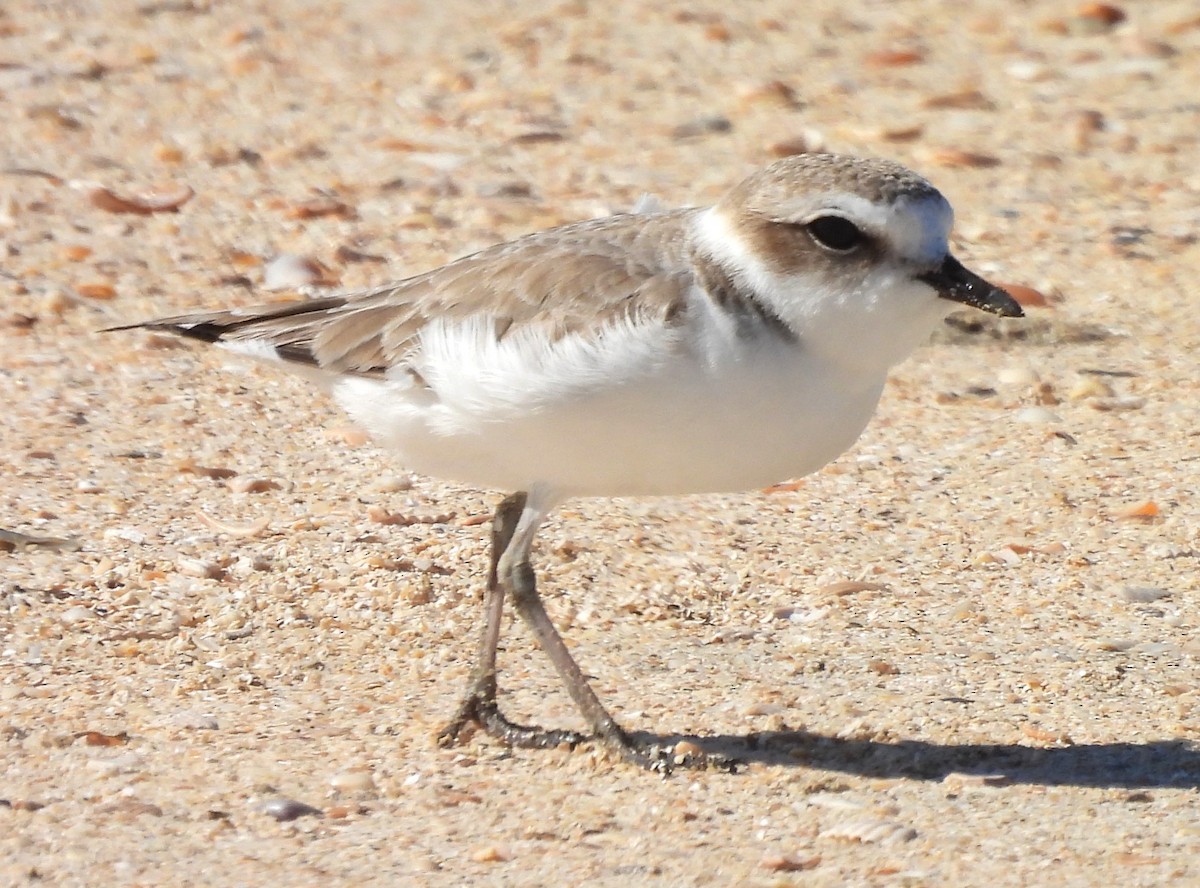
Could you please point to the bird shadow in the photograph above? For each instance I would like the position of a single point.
(1157, 763)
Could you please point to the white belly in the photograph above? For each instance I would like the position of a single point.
(643, 412)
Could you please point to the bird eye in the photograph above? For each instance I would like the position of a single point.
(836, 233)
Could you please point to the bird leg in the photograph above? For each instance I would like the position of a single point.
(510, 571)
(528, 603)
(479, 704)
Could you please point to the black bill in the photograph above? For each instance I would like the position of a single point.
(954, 281)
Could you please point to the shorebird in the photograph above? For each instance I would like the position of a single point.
(696, 350)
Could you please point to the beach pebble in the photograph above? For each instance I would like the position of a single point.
(1018, 374)
(851, 587)
(321, 205)
(197, 567)
(491, 854)
(127, 809)
(194, 721)
(1090, 387)
(125, 763)
(393, 484)
(1118, 404)
(806, 142)
(1143, 512)
(1157, 649)
(759, 709)
(77, 614)
(125, 535)
(956, 781)
(702, 126)
(1095, 18)
(789, 863)
(244, 484)
(870, 831)
(1036, 416)
(353, 780)
(285, 810)
(893, 58)
(289, 271)
(168, 197)
(958, 157)
(1027, 70)
(1144, 594)
(1084, 127)
(22, 804)
(247, 565)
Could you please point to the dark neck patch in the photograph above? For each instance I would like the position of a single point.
(749, 312)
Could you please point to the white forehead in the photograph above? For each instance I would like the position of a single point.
(917, 226)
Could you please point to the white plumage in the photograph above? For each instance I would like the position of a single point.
(673, 352)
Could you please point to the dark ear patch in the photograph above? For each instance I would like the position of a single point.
(837, 245)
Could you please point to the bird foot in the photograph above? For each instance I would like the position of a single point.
(487, 715)
(657, 757)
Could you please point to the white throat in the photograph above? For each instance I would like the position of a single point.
(861, 323)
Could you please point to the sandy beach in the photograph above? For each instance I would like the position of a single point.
(964, 654)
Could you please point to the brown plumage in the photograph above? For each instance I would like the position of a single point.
(688, 351)
(562, 280)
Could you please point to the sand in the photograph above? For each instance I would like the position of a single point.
(964, 654)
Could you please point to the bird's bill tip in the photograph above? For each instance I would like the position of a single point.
(954, 281)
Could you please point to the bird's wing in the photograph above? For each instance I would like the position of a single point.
(561, 281)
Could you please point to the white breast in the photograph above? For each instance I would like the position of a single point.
(641, 409)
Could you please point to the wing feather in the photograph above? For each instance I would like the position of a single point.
(563, 280)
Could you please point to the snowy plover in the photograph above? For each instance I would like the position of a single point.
(689, 351)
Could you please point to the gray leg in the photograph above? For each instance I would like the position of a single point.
(516, 521)
(479, 705)
(529, 605)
